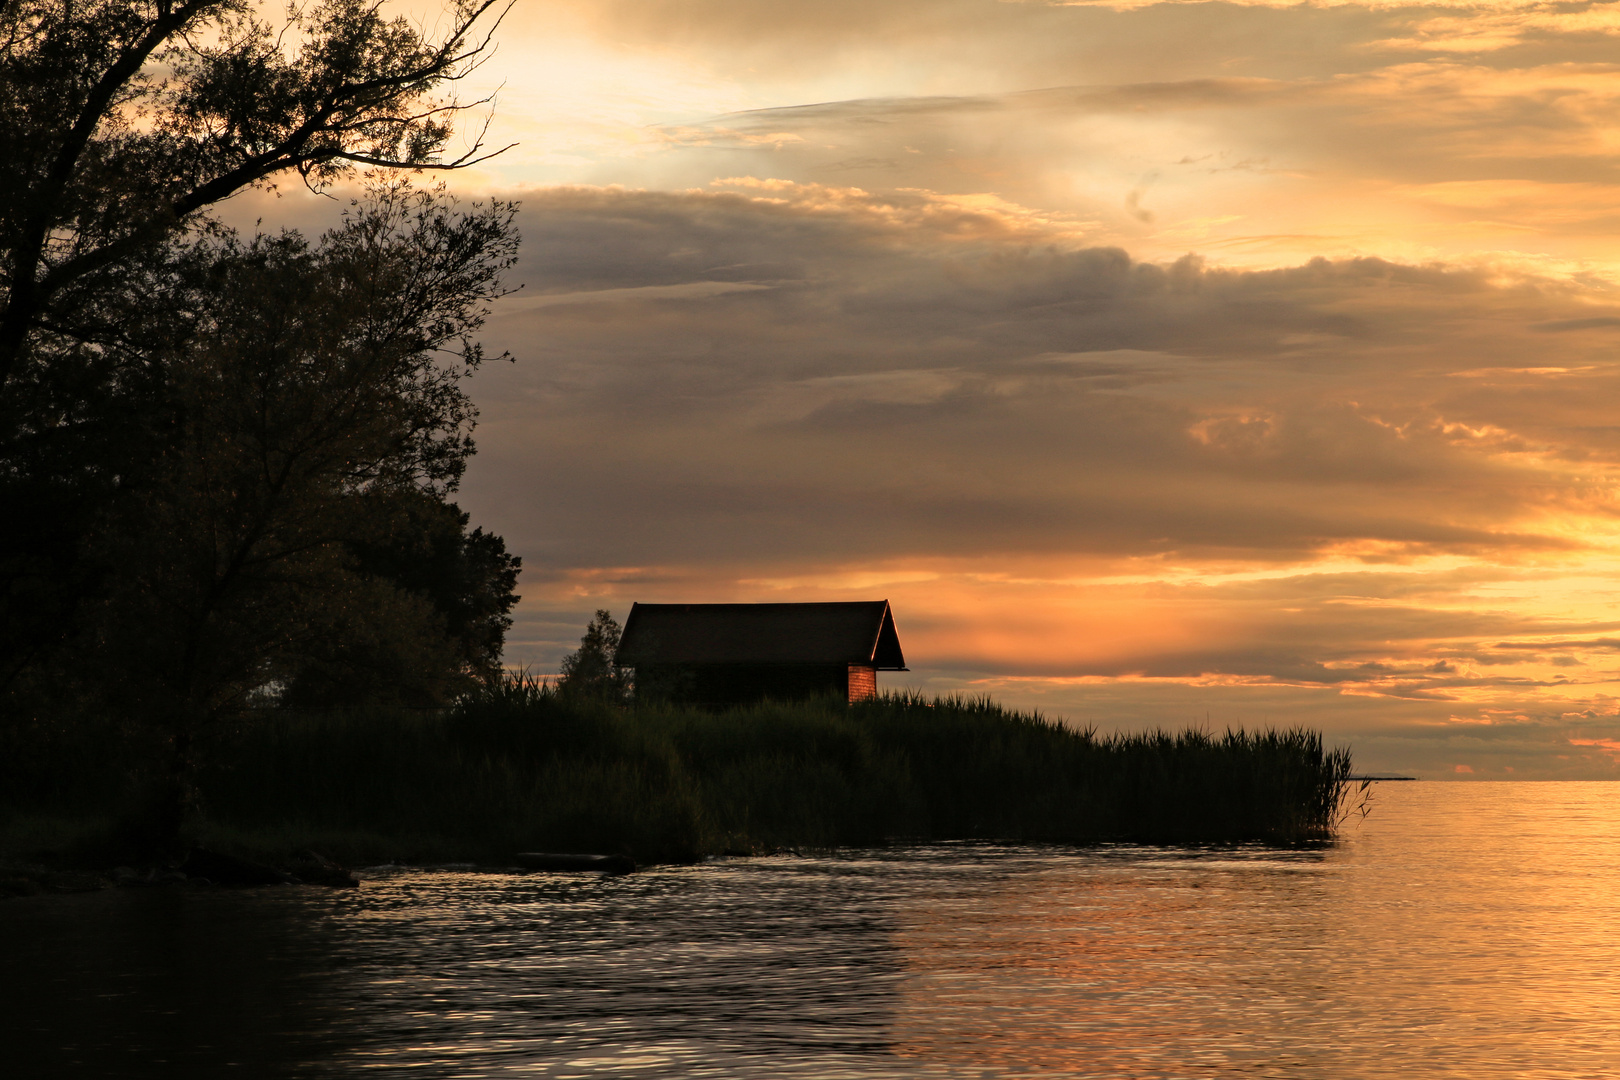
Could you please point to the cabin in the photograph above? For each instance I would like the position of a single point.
(730, 654)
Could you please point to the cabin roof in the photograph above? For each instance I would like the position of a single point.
(861, 632)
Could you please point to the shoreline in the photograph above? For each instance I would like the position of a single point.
(517, 769)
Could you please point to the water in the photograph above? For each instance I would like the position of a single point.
(1466, 930)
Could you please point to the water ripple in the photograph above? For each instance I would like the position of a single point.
(1463, 930)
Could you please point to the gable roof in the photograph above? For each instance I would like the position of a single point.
(842, 633)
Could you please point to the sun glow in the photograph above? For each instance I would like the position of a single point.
(1146, 375)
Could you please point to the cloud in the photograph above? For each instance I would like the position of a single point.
(1486, 27)
(1560, 326)
(1264, 135)
(1593, 16)
(1068, 468)
(1416, 159)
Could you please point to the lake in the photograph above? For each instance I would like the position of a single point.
(1464, 929)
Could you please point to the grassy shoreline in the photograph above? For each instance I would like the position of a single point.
(521, 768)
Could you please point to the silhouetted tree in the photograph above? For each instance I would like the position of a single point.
(593, 671)
(224, 461)
(316, 421)
(466, 578)
(122, 122)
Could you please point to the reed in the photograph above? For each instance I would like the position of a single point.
(520, 767)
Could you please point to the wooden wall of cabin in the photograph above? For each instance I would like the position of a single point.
(862, 682)
(719, 685)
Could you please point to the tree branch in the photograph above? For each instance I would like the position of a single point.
(451, 60)
(26, 296)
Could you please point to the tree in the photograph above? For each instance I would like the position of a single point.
(122, 123)
(226, 460)
(592, 671)
(466, 578)
(101, 158)
(316, 421)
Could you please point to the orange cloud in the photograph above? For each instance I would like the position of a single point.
(1608, 746)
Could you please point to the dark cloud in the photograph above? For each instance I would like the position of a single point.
(1602, 322)
(797, 371)
(1583, 644)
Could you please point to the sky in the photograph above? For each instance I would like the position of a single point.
(1163, 364)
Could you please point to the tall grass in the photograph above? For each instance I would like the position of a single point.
(519, 767)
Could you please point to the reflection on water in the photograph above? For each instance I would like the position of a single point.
(1467, 930)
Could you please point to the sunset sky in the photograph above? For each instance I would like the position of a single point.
(1161, 363)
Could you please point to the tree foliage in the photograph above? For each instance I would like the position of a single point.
(592, 670)
(314, 422)
(227, 459)
(122, 123)
(125, 118)
(462, 584)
